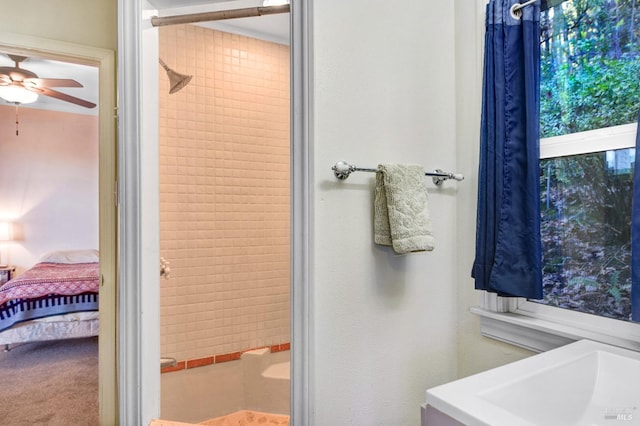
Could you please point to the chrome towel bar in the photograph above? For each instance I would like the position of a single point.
(342, 170)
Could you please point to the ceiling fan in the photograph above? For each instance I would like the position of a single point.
(19, 86)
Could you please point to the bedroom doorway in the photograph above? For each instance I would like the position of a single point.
(23, 46)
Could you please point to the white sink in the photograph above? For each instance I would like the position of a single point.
(583, 384)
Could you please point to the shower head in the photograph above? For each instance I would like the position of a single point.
(176, 80)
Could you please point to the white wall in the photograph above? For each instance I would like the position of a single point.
(475, 353)
(384, 326)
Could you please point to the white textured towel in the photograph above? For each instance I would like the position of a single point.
(401, 211)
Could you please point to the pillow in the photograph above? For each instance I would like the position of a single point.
(71, 256)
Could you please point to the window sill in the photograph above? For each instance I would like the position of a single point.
(541, 335)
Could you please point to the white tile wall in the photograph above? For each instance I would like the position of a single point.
(224, 193)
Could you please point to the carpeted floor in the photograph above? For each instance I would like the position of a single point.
(50, 383)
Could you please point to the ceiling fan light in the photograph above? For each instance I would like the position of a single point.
(17, 94)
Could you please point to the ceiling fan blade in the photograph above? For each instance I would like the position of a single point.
(51, 82)
(62, 96)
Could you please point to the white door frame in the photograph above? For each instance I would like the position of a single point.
(139, 333)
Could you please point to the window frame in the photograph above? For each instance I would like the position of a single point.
(541, 327)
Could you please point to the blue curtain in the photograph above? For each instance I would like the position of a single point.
(508, 246)
(635, 235)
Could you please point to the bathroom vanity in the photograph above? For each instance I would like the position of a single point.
(582, 383)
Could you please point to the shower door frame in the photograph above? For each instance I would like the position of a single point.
(301, 210)
(139, 333)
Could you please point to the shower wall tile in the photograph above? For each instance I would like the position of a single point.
(224, 194)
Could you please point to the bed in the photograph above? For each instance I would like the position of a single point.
(55, 299)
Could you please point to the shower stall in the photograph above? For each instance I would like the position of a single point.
(224, 224)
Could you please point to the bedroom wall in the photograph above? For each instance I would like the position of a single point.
(48, 182)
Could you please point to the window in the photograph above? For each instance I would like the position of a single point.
(590, 79)
(590, 98)
(586, 232)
